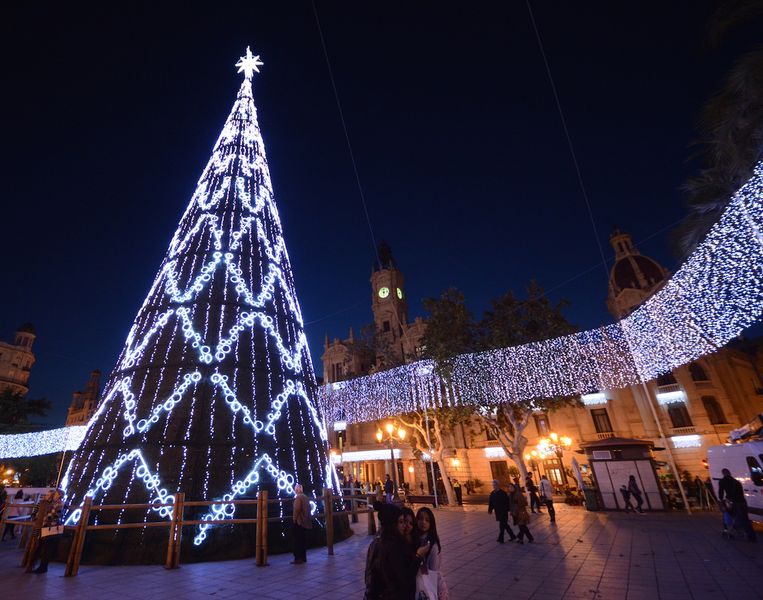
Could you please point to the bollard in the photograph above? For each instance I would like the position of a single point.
(353, 507)
(328, 509)
(173, 545)
(75, 553)
(261, 534)
(370, 513)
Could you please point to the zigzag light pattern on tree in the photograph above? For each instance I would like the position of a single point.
(220, 332)
(715, 295)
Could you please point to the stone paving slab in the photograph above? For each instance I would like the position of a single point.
(597, 556)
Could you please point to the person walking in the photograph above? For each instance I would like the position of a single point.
(499, 502)
(635, 493)
(732, 491)
(12, 513)
(389, 489)
(625, 493)
(301, 523)
(458, 492)
(532, 492)
(547, 497)
(520, 514)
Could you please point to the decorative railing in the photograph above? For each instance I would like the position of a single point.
(683, 430)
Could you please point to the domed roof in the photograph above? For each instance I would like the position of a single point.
(26, 328)
(636, 272)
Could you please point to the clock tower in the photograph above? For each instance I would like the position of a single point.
(388, 300)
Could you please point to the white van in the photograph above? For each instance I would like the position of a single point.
(745, 461)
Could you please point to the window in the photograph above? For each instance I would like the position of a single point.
(542, 424)
(697, 372)
(679, 416)
(713, 410)
(666, 379)
(756, 472)
(601, 420)
(385, 326)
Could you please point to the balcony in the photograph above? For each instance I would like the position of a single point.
(671, 392)
(682, 430)
(605, 435)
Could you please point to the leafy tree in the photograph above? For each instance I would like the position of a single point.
(731, 126)
(434, 439)
(15, 410)
(512, 321)
(450, 331)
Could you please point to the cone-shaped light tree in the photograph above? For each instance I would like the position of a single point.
(212, 394)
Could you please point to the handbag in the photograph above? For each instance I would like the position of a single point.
(48, 531)
(426, 585)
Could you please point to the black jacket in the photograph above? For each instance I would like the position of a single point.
(391, 567)
(731, 489)
(499, 502)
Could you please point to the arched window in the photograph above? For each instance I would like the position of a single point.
(713, 410)
(666, 379)
(679, 415)
(697, 372)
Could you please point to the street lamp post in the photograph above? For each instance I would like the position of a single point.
(392, 435)
(555, 445)
(532, 458)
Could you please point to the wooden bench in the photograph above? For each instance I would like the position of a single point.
(419, 499)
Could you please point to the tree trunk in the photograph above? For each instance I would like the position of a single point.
(517, 458)
(449, 493)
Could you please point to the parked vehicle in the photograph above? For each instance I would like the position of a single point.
(745, 461)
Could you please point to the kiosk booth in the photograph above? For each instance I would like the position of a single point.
(613, 461)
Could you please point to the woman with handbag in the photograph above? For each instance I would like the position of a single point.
(520, 514)
(46, 530)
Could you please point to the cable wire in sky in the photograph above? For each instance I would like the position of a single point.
(346, 135)
(569, 139)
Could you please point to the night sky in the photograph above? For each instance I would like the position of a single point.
(110, 117)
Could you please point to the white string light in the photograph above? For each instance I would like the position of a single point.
(216, 364)
(19, 445)
(715, 295)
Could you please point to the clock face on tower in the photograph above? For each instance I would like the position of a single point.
(383, 292)
(399, 293)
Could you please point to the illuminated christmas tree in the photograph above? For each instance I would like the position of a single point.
(212, 394)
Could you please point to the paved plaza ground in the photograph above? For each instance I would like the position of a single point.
(599, 556)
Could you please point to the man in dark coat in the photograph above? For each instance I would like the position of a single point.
(499, 502)
(532, 491)
(731, 489)
(389, 489)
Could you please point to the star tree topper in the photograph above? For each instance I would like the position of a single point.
(248, 64)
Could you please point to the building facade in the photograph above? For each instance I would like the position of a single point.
(16, 360)
(84, 402)
(684, 412)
